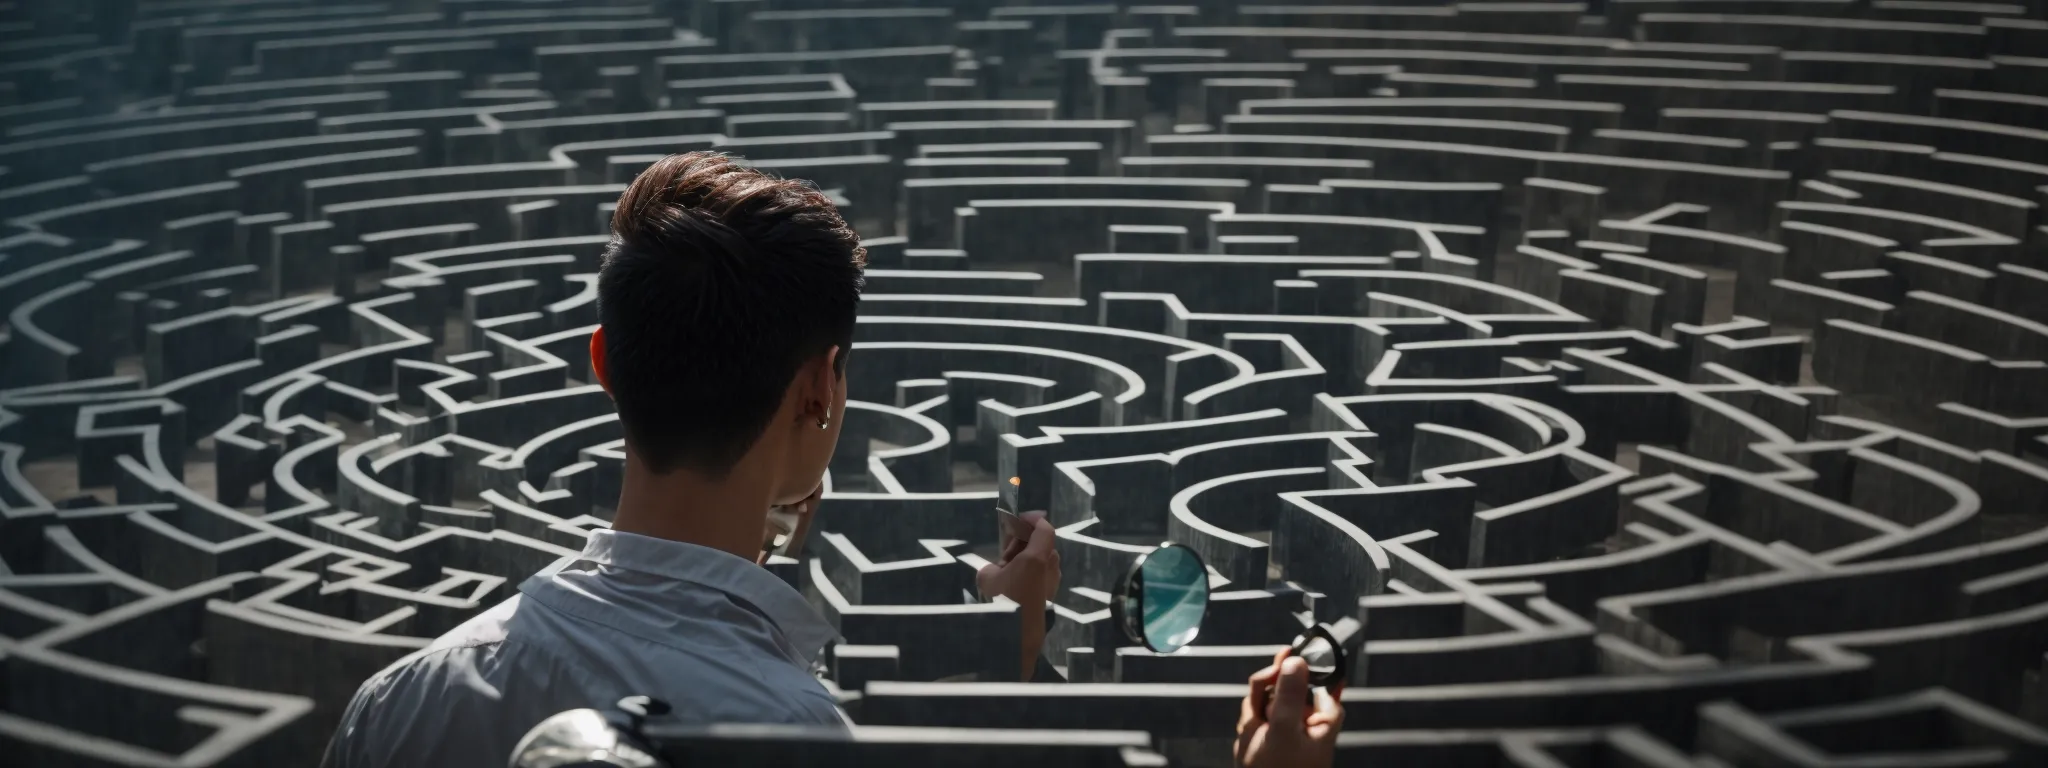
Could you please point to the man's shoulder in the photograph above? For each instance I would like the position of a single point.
(485, 632)
(472, 686)
(488, 680)
(486, 628)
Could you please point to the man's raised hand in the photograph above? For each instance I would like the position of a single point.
(1281, 730)
(1029, 569)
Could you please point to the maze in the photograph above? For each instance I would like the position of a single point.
(1631, 383)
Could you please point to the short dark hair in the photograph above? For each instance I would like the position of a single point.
(719, 282)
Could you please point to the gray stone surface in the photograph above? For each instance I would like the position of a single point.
(1634, 382)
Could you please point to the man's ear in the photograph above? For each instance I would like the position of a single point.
(825, 380)
(597, 359)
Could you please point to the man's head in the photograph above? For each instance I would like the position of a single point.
(726, 307)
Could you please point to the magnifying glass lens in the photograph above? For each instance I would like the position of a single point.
(1321, 658)
(1175, 592)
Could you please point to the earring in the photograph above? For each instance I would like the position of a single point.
(826, 420)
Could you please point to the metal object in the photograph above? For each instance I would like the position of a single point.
(587, 738)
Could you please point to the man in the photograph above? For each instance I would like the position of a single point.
(726, 307)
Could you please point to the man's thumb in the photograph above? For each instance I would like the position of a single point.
(985, 579)
(1290, 695)
(1042, 537)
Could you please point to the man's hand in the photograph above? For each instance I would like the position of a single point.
(1029, 569)
(1280, 731)
(804, 510)
(1028, 573)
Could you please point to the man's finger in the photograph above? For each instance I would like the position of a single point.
(1255, 700)
(985, 579)
(1265, 677)
(1042, 536)
(1014, 545)
(795, 546)
(1289, 694)
(1329, 712)
(1011, 549)
(1262, 684)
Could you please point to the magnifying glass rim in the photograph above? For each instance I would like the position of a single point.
(1343, 670)
(1134, 586)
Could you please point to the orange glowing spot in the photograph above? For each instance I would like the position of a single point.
(1014, 481)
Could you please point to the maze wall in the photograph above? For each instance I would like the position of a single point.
(1638, 383)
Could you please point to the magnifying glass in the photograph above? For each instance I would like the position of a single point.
(1327, 664)
(1163, 599)
(1324, 654)
(587, 738)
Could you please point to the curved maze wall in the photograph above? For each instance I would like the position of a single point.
(1646, 383)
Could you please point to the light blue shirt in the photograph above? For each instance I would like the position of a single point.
(716, 636)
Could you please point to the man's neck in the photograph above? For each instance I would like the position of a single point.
(727, 513)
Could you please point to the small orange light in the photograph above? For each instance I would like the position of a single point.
(1014, 481)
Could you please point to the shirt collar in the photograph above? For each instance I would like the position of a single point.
(801, 624)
